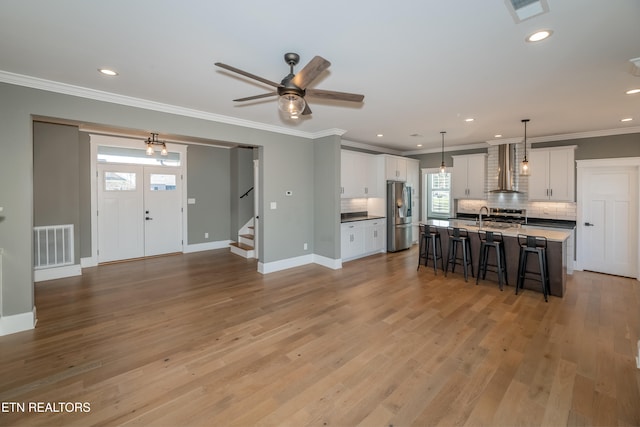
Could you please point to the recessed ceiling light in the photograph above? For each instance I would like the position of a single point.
(497, 136)
(419, 145)
(107, 72)
(626, 119)
(470, 119)
(539, 35)
(379, 135)
(632, 91)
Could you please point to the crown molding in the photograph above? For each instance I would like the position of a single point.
(98, 95)
(448, 150)
(369, 147)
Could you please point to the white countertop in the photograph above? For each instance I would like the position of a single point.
(555, 235)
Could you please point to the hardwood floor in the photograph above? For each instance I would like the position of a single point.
(203, 339)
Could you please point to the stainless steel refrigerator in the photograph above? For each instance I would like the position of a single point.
(398, 216)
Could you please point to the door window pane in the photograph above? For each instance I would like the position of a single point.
(119, 181)
(162, 182)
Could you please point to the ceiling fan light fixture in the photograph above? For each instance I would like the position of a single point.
(291, 104)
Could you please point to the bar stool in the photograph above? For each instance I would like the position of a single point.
(430, 239)
(459, 237)
(488, 240)
(533, 245)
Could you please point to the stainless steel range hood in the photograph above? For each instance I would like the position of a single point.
(506, 169)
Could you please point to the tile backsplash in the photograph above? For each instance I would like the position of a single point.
(353, 205)
(548, 210)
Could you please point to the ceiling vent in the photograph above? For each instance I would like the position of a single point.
(521, 10)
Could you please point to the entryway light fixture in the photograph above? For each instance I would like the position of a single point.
(153, 140)
(524, 166)
(442, 166)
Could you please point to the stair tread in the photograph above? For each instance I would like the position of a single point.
(247, 236)
(241, 246)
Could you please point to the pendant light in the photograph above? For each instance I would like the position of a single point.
(524, 166)
(152, 141)
(442, 166)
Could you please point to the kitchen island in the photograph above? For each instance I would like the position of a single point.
(556, 252)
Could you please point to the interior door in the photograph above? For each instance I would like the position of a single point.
(162, 210)
(609, 220)
(120, 203)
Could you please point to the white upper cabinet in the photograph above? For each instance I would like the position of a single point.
(358, 175)
(552, 174)
(469, 176)
(395, 168)
(413, 175)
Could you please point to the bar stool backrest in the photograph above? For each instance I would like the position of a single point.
(457, 232)
(532, 241)
(490, 236)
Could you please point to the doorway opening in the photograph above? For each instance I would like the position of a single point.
(137, 200)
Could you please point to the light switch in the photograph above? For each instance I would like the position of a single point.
(288, 193)
(274, 205)
(191, 201)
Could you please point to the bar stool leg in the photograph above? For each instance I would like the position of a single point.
(435, 254)
(543, 273)
(499, 267)
(464, 259)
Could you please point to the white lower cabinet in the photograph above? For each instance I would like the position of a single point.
(362, 238)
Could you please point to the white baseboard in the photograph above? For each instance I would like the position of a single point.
(283, 264)
(88, 262)
(334, 264)
(270, 267)
(57, 272)
(18, 322)
(208, 246)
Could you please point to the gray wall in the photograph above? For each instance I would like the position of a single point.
(208, 181)
(326, 208)
(603, 147)
(434, 160)
(56, 178)
(286, 163)
(84, 151)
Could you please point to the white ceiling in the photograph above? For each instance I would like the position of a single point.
(423, 66)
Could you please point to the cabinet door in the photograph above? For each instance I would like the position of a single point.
(351, 174)
(413, 176)
(372, 179)
(476, 168)
(561, 175)
(352, 241)
(374, 236)
(395, 169)
(459, 178)
(538, 175)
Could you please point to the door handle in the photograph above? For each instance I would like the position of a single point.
(588, 224)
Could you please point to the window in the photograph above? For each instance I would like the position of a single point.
(119, 181)
(439, 197)
(162, 182)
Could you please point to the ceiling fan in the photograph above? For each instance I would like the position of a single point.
(294, 87)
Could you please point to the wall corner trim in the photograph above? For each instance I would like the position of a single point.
(334, 264)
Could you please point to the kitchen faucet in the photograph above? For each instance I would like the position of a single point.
(480, 215)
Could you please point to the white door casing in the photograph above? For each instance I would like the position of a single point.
(608, 220)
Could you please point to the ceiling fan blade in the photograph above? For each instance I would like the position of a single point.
(246, 74)
(306, 110)
(337, 96)
(310, 71)
(250, 98)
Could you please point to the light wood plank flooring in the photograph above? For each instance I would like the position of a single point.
(203, 339)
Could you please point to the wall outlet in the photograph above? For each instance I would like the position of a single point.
(206, 235)
(273, 205)
(304, 246)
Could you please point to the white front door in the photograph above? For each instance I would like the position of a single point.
(163, 211)
(139, 211)
(608, 224)
(120, 206)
